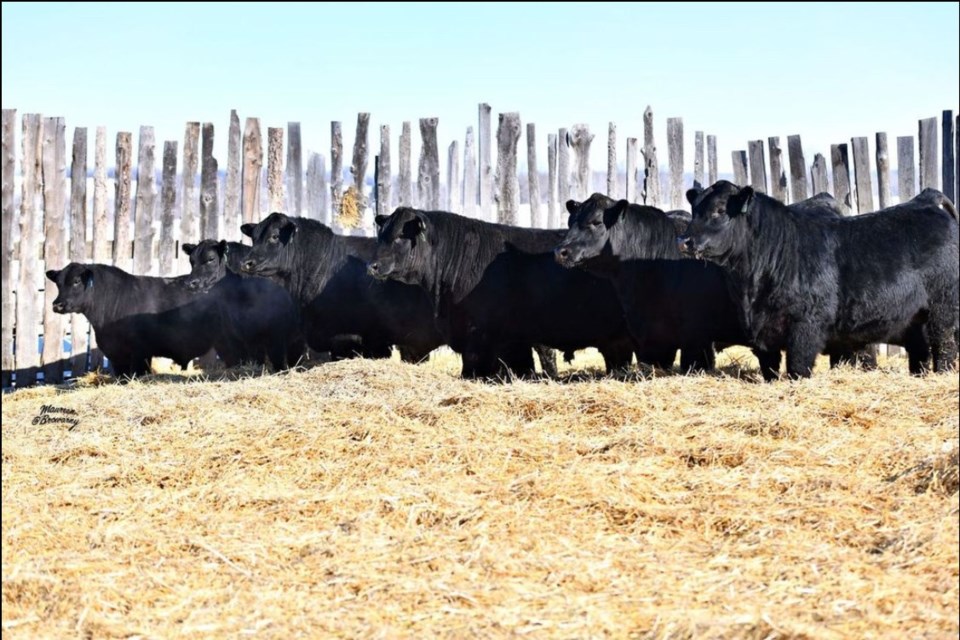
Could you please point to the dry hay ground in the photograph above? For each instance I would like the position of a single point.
(378, 499)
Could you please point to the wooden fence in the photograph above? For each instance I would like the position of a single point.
(136, 230)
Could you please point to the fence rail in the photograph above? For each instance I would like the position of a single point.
(140, 228)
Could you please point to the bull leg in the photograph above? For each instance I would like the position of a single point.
(478, 364)
(697, 358)
(943, 344)
(617, 357)
(548, 360)
(412, 354)
(769, 363)
(662, 358)
(918, 349)
(518, 360)
(804, 344)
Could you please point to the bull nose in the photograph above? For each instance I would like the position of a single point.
(561, 254)
(373, 268)
(58, 307)
(193, 285)
(685, 244)
(247, 265)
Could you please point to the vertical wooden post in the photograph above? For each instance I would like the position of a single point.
(190, 203)
(294, 174)
(486, 168)
(632, 187)
(336, 169)
(651, 169)
(778, 178)
(168, 201)
(906, 169)
(79, 327)
(798, 170)
(252, 165)
(553, 207)
(101, 224)
(698, 159)
(861, 173)
(145, 204)
(406, 169)
(469, 175)
(54, 163)
(580, 139)
(739, 159)
(563, 168)
(428, 174)
(316, 188)
(209, 200)
(383, 175)
(453, 177)
(883, 171)
(533, 177)
(275, 168)
(121, 216)
(508, 185)
(232, 188)
(675, 159)
(711, 159)
(758, 166)
(818, 173)
(28, 288)
(359, 166)
(6, 253)
(948, 181)
(929, 171)
(612, 160)
(841, 176)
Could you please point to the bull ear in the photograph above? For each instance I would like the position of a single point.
(381, 220)
(573, 206)
(222, 248)
(692, 195)
(247, 229)
(188, 248)
(287, 231)
(615, 211)
(743, 201)
(87, 276)
(52, 275)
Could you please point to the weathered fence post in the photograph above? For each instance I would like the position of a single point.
(948, 182)
(336, 169)
(6, 237)
(358, 168)
(580, 140)
(563, 169)
(405, 171)
(469, 175)
(553, 207)
(861, 174)
(486, 168)
(121, 216)
(453, 177)
(612, 160)
(778, 178)
(316, 188)
(651, 169)
(675, 158)
(209, 200)
(798, 170)
(711, 159)
(818, 174)
(232, 188)
(252, 165)
(79, 327)
(758, 166)
(168, 200)
(739, 159)
(294, 172)
(883, 171)
(928, 153)
(54, 165)
(632, 187)
(275, 168)
(906, 169)
(698, 159)
(841, 176)
(383, 173)
(146, 204)
(533, 177)
(428, 173)
(508, 185)
(28, 288)
(190, 203)
(101, 250)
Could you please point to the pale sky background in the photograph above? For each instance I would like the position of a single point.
(825, 71)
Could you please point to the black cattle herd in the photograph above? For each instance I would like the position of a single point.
(627, 279)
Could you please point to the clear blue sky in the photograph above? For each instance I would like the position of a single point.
(827, 71)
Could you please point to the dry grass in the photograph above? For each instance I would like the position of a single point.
(350, 215)
(378, 499)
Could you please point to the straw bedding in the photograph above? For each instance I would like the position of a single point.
(380, 499)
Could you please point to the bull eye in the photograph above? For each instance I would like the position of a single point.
(77, 282)
(596, 224)
(397, 240)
